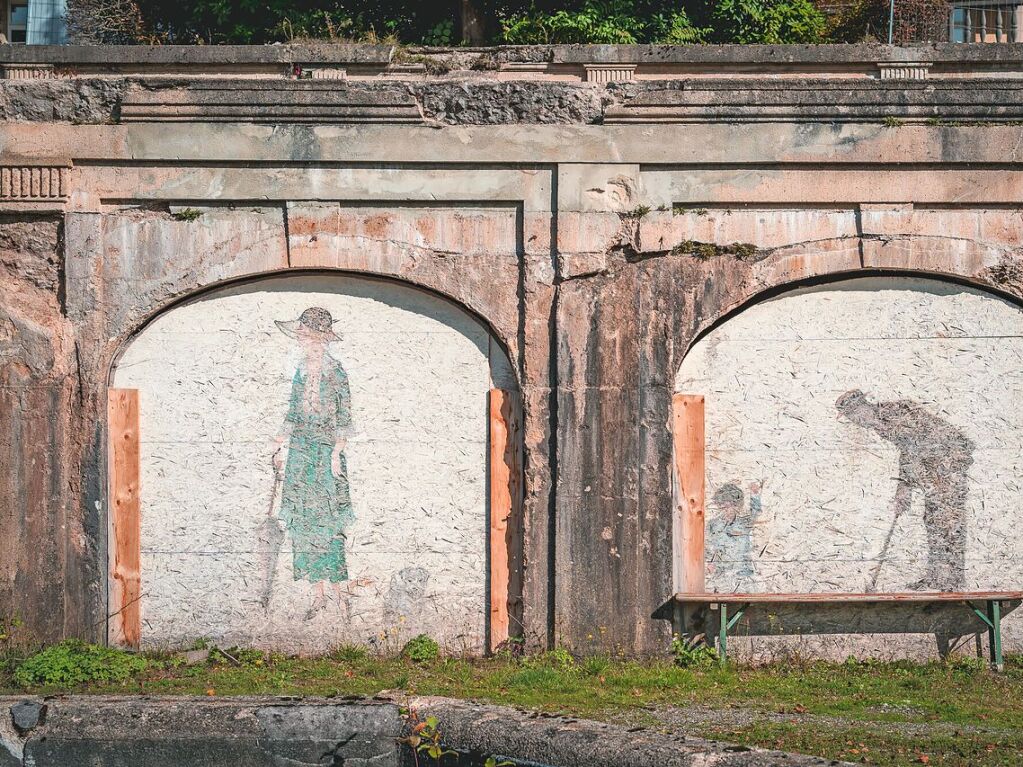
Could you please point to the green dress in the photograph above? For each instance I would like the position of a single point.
(316, 505)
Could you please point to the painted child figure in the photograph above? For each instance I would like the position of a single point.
(729, 537)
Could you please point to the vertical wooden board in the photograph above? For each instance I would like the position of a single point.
(505, 494)
(124, 625)
(689, 490)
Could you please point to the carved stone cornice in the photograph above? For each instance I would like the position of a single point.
(891, 70)
(26, 71)
(269, 101)
(892, 101)
(609, 73)
(33, 186)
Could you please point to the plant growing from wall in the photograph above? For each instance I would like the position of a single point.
(425, 739)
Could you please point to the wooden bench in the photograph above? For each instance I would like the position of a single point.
(731, 608)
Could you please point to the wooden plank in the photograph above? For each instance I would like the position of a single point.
(124, 626)
(505, 495)
(688, 488)
(840, 598)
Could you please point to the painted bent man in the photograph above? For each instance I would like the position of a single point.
(316, 505)
(934, 458)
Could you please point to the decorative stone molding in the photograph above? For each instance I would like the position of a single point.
(317, 100)
(327, 73)
(904, 70)
(33, 183)
(819, 99)
(27, 71)
(609, 73)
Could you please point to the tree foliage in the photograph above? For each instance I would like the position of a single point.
(405, 21)
(767, 21)
(603, 21)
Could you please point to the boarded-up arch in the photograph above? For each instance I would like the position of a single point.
(863, 435)
(371, 523)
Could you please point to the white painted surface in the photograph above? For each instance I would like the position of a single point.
(772, 375)
(215, 378)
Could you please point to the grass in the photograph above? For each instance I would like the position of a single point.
(953, 713)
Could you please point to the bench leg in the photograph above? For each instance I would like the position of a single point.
(723, 635)
(994, 633)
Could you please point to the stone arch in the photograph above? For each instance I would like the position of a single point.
(989, 266)
(216, 376)
(861, 410)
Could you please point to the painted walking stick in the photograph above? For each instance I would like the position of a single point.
(902, 501)
(271, 537)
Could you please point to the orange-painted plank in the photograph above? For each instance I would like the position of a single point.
(505, 486)
(125, 517)
(689, 488)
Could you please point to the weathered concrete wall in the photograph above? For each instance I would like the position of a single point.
(592, 230)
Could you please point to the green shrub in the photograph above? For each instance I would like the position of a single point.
(612, 22)
(441, 34)
(421, 649)
(689, 654)
(678, 29)
(73, 662)
(861, 21)
(767, 21)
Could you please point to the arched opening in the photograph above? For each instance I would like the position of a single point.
(863, 435)
(279, 512)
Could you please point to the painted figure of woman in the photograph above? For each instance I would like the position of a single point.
(315, 501)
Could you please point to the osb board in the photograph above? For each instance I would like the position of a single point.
(217, 383)
(846, 415)
(505, 473)
(123, 471)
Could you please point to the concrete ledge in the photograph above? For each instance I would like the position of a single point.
(253, 732)
(472, 101)
(562, 742)
(201, 731)
(507, 62)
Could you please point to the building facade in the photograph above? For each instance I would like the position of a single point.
(35, 22)
(302, 346)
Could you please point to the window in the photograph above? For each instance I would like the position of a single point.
(17, 27)
(986, 22)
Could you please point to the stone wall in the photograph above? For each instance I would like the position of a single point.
(585, 233)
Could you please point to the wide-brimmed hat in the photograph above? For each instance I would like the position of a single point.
(315, 318)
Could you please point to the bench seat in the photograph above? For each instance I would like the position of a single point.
(991, 616)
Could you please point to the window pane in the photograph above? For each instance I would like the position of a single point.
(18, 35)
(958, 25)
(19, 15)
